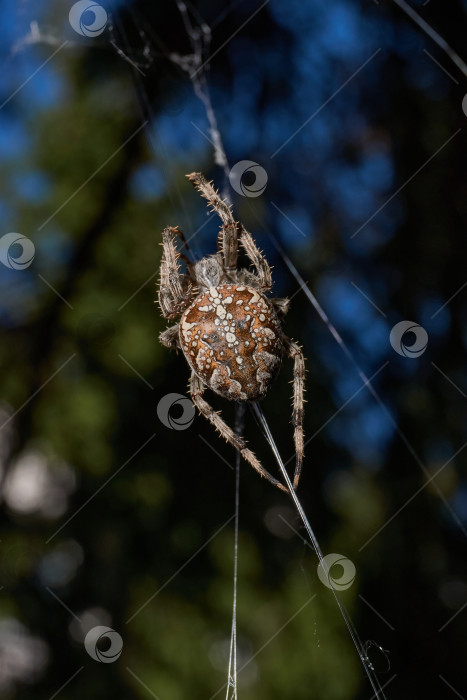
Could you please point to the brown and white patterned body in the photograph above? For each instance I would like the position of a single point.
(230, 334)
(232, 338)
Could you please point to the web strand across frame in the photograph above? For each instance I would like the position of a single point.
(376, 686)
(194, 65)
(437, 38)
(366, 380)
(231, 693)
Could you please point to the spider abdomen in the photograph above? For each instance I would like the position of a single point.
(232, 338)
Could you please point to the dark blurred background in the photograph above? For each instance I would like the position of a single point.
(111, 518)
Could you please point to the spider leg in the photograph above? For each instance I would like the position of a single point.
(257, 258)
(294, 351)
(170, 337)
(197, 389)
(228, 235)
(178, 232)
(175, 290)
(181, 235)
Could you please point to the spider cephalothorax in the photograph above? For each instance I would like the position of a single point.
(229, 331)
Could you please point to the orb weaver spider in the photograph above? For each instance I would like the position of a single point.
(229, 331)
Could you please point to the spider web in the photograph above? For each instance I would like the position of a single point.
(199, 35)
(194, 65)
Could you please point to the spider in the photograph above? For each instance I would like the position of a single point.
(229, 332)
